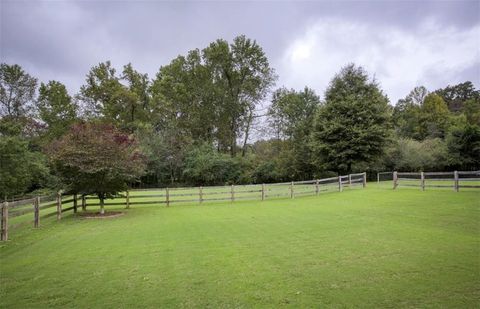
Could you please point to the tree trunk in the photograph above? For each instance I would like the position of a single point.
(102, 206)
(233, 139)
(247, 131)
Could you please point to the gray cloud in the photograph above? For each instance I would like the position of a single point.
(433, 55)
(62, 39)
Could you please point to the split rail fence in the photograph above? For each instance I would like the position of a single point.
(50, 206)
(454, 180)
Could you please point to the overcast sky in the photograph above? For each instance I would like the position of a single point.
(402, 43)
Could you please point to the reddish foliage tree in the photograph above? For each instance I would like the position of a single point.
(95, 158)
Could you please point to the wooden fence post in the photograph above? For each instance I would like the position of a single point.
(378, 178)
(127, 200)
(59, 205)
(200, 194)
(263, 191)
(395, 180)
(4, 235)
(291, 190)
(364, 179)
(340, 186)
(84, 203)
(233, 193)
(75, 203)
(36, 212)
(167, 197)
(317, 187)
(455, 174)
(349, 179)
(422, 179)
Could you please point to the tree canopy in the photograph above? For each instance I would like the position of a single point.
(212, 94)
(352, 126)
(17, 91)
(56, 108)
(211, 116)
(94, 158)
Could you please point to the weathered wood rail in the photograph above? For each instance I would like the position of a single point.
(168, 196)
(455, 180)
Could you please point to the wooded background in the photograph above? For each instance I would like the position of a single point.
(213, 117)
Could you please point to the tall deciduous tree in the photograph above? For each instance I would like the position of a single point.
(56, 108)
(138, 87)
(17, 91)
(456, 96)
(406, 113)
(292, 112)
(101, 91)
(242, 77)
(353, 124)
(291, 117)
(183, 98)
(97, 159)
(434, 117)
(105, 96)
(213, 94)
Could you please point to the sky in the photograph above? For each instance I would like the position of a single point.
(402, 44)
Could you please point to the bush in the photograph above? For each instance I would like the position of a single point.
(406, 154)
(205, 166)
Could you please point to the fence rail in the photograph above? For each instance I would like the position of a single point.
(42, 206)
(455, 180)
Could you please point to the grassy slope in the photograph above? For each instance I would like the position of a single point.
(367, 248)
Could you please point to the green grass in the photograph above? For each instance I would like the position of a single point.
(359, 248)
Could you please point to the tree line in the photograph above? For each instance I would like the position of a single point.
(193, 123)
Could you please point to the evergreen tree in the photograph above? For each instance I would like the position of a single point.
(353, 124)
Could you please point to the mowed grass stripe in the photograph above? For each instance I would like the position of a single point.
(371, 247)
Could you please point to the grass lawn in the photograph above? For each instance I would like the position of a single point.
(366, 248)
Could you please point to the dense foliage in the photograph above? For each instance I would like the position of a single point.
(21, 170)
(353, 124)
(93, 158)
(204, 119)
